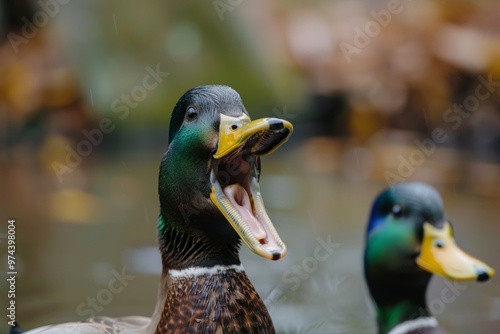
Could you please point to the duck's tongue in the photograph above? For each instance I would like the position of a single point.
(240, 200)
(243, 207)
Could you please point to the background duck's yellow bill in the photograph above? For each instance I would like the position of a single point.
(441, 255)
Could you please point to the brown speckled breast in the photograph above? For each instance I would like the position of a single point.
(225, 302)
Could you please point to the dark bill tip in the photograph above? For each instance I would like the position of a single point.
(275, 124)
(482, 275)
(276, 256)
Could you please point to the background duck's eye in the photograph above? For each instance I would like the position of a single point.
(191, 114)
(397, 211)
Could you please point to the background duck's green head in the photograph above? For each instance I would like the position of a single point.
(209, 175)
(409, 236)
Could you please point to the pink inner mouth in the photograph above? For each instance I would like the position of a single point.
(239, 198)
(241, 202)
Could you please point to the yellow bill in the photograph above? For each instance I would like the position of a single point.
(441, 255)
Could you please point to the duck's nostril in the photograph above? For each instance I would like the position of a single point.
(234, 126)
(482, 275)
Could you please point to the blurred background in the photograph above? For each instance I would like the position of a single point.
(378, 91)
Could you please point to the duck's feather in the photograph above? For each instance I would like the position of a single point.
(98, 325)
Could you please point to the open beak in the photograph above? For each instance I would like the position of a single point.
(235, 179)
(441, 255)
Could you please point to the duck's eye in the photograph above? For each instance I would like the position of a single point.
(191, 114)
(397, 211)
(234, 127)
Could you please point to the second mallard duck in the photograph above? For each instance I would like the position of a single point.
(408, 239)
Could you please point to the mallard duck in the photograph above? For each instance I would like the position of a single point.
(209, 202)
(408, 239)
